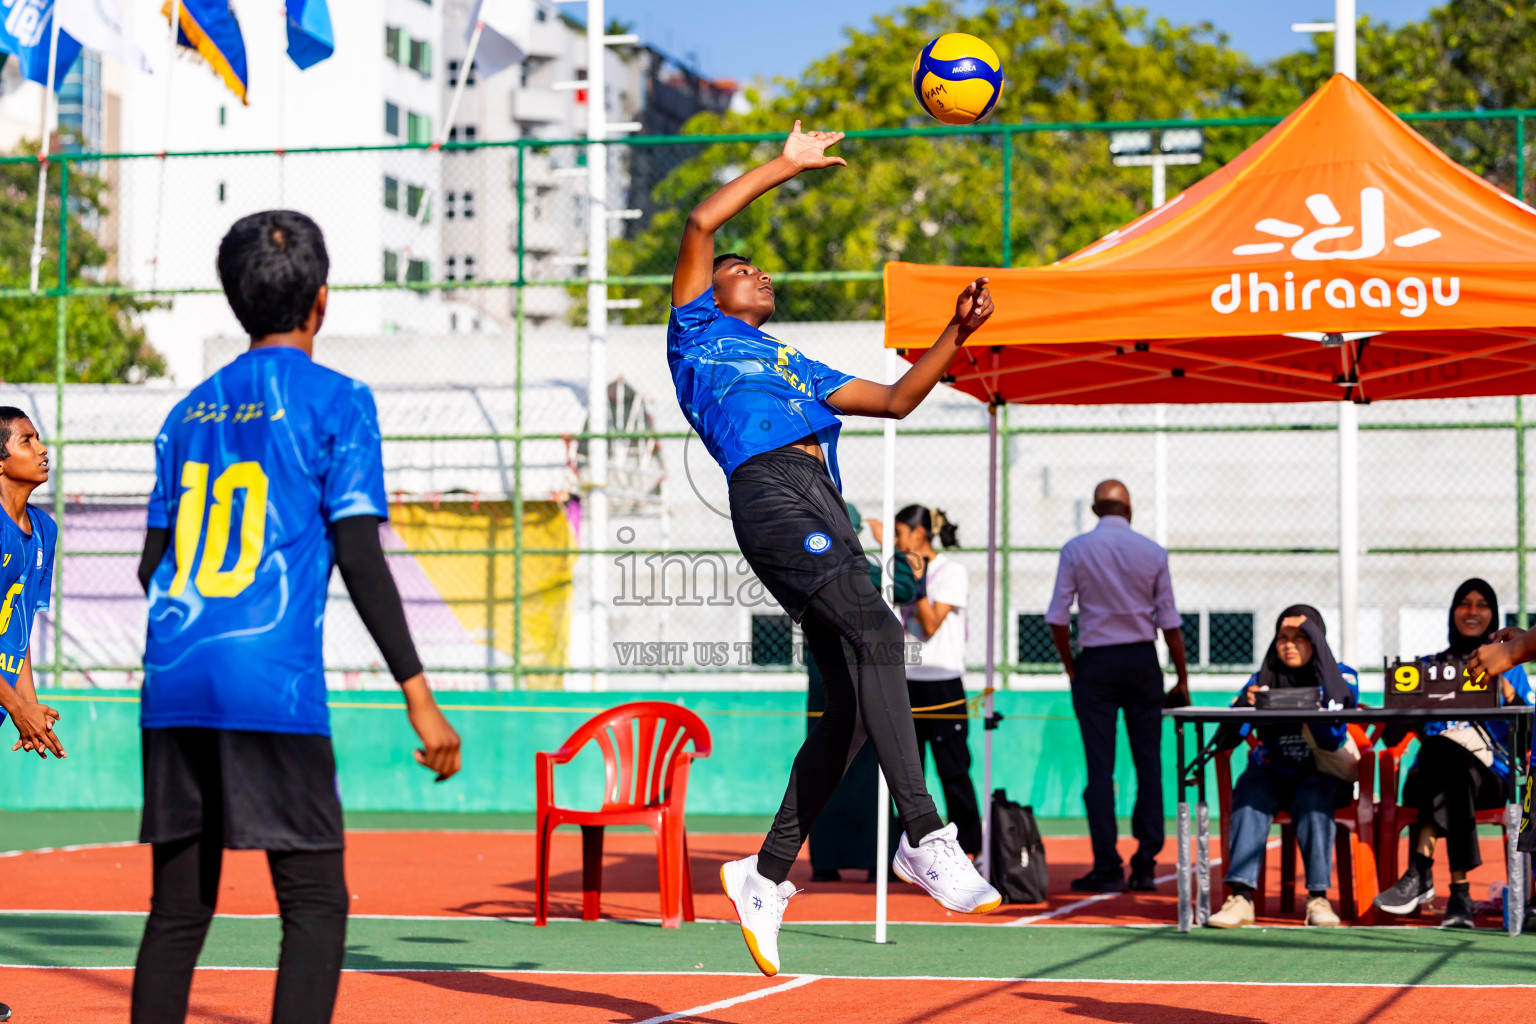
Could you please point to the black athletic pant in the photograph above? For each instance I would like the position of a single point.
(311, 895)
(1447, 786)
(859, 647)
(949, 739)
(1108, 680)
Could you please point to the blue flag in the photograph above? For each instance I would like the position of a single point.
(24, 33)
(310, 39)
(210, 28)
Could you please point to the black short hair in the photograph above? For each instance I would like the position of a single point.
(8, 414)
(272, 265)
(730, 257)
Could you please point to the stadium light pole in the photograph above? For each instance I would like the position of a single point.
(598, 215)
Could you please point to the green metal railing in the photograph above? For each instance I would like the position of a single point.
(64, 290)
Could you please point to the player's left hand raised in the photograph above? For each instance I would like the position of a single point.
(974, 305)
(808, 150)
(439, 751)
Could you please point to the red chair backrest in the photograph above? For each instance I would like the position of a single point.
(640, 742)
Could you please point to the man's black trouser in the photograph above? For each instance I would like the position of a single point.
(859, 647)
(949, 740)
(1109, 680)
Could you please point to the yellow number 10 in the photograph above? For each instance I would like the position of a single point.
(190, 535)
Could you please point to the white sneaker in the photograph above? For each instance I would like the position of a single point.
(942, 868)
(1237, 912)
(759, 907)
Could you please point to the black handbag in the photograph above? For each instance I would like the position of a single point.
(1016, 860)
(1288, 698)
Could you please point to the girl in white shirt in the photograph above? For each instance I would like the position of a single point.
(936, 619)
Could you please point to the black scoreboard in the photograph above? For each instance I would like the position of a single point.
(1438, 681)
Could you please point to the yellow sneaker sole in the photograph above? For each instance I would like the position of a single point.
(768, 969)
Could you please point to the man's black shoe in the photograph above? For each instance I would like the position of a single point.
(5, 1012)
(1410, 892)
(1101, 880)
(826, 875)
(1144, 879)
(1460, 911)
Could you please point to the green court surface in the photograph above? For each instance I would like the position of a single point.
(1277, 955)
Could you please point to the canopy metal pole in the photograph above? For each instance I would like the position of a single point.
(888, 585)
(983, 860)
(1349, 416)
(44, 137)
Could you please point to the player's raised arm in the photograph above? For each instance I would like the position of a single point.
(896, 401)
(803, 151)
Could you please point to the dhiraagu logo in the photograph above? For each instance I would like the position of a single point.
(817, 543)
(1410, 295)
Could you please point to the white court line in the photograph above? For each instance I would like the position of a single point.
(1072, 908)
(804, 979)
(70, 849)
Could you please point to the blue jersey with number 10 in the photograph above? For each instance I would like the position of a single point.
(251, 469)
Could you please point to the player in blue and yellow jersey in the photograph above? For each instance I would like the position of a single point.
(28, 536)
(267, 474)
(770, 417)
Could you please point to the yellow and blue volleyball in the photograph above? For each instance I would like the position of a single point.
(957, 78)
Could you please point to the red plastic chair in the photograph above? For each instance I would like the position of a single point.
(1395, 818)
(646, 772)
(1354, 841)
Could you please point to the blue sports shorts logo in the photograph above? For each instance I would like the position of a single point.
(817, 543)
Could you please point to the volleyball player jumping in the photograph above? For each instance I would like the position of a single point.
(770, 417)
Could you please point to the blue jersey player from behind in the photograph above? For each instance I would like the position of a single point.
(267, 474)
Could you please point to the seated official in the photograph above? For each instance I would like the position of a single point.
(1282, 771)
(1457, 772)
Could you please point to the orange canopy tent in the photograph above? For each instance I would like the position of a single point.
(1341, 256)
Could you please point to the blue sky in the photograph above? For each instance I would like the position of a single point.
(742, 40)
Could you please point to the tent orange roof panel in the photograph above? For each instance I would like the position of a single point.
(1339, 256)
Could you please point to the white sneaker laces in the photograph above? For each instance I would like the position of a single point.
(951, 860)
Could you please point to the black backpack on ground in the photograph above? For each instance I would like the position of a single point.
(1016, 860)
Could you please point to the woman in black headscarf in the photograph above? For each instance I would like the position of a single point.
(1456, 773)
(1282, 771)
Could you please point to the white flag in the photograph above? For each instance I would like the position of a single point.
(98, 25)
(504, 42)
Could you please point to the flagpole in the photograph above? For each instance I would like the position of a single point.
(453, 111)
(165, 144)
(42, 154)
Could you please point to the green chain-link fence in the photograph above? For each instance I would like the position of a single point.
(459, 296)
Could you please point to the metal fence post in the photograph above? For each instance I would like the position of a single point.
(517, 445)
(60, 349)
(1007, 206)
(1520, 615)
(1520, 158)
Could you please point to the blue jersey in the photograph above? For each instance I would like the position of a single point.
(1497, 729)
(251, 469)
(746, 392)
(26, 580)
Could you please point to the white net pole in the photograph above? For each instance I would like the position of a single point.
(887, 556)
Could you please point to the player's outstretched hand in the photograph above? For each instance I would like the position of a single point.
(808, 150)
(439, 751)
(34, 724)
(973, 306)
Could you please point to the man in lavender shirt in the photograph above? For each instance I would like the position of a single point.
(1124, 596)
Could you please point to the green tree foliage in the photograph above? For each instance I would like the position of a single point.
(935, 199)
(105, 344)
